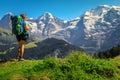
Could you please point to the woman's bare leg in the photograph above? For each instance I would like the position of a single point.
(21, 48)
(19, 51)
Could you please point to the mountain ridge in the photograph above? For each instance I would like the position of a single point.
(92, 31)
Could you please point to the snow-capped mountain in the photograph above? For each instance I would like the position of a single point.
(5, 21)
(48, 25)
(97, 29)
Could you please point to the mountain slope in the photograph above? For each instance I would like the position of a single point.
(6, 36)
(5, 21)
(48, 47)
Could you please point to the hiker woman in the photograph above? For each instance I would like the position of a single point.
(22, 38)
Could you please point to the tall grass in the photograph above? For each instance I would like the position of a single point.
(74, 67)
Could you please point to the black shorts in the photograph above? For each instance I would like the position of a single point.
(22, 37)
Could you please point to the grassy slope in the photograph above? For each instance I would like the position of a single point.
(74, 67)
(5, 30)
(30, 45)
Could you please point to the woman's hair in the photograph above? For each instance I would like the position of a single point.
(23, 16)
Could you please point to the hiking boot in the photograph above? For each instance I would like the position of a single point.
(22, 59)
(19, 58)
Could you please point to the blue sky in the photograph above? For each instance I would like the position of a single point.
(64, 9)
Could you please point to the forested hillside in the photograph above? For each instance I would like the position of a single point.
(113, 52)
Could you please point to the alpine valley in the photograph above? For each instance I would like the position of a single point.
(96, 30)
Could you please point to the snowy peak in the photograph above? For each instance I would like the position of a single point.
(109, 7)
(5, 21)
(46, 17)
(104, 6)
(101, 14)
(99, 11)
(49, 15)
(7, 16)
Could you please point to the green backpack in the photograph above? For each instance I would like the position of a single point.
(17, 25)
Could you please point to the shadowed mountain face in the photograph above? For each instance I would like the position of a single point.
(6, 36)
(96, 30)
(49, 47)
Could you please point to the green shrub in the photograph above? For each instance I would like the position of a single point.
(38, 67)
(51, 63)
(65, 67)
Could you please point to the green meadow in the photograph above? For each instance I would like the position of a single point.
(77, 66)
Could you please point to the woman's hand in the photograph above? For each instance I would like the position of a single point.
(27, 27)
